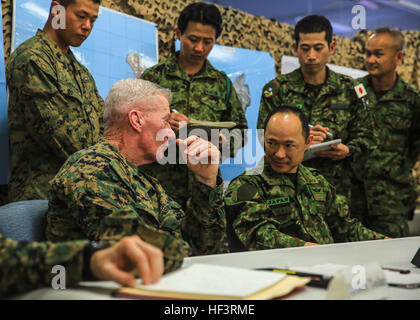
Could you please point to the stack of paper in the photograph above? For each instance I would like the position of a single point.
(200, 281)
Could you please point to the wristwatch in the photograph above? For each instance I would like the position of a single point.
(88, 251)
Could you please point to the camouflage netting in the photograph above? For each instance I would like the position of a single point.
(246, 31)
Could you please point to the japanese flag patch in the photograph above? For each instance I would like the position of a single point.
(360, 90)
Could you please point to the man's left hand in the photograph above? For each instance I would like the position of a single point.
(337, 152)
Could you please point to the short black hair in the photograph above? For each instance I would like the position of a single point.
(66, 3)
(203, 13)
(314, 24)
(291, 109)
(396, 35)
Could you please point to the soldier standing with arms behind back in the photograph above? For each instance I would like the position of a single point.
(54, 106)
(388, 198)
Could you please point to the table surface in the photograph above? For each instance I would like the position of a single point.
(390, 253)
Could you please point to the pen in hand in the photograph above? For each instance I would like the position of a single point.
(328, 133)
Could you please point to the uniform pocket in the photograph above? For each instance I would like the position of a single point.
(283, 215)
(214, 102)
(397, 121)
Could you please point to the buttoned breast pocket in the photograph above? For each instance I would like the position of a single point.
(179, 100)
(317, 200)
(70, 91)
(336, 116)
(213, 104)
(398, 121)
(171, 224)
(171, 215)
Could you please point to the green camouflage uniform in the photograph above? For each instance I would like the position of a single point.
(333, 105)
(99, 195)
(268, 211)
(26, 266)
(54, 110)
(386, 199)
(202, 96)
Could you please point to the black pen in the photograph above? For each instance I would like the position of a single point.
(317, 280)
(402, 271)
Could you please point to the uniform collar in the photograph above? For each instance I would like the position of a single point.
(109, 148)
(275, 178)
(328, 87)
(116, 158)
(395, 93)
(62, 56)
(172, 68)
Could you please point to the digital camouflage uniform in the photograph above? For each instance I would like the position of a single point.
(54, 110)
(268, 211)
(99, 195)
(202, 96)
(333, 105)
(387, 198)
(26, 266)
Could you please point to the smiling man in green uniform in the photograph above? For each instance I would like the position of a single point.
(200, 91)
(54, 107)
(289, 204)
(386, 198)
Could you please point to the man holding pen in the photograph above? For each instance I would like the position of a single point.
(200, 91)
(328, 100)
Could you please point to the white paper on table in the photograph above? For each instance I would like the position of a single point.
(215, 280)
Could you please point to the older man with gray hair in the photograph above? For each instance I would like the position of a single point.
(101, 194)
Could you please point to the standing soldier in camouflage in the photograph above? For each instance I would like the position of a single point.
(328, 100)
(288, 204)
(388, 199)
(200, 91)
(100, 193)
(26, 266)
(54, 106)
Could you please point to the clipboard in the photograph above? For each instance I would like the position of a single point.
(310, 153)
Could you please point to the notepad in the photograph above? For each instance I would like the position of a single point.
(211, 124)
(310, 153)
(201, 281)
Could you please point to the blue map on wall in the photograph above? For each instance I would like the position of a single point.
(114, 38)
(4, 138)
(249, 70)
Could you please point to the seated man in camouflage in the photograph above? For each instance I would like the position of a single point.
(288, 204)
(100, 193)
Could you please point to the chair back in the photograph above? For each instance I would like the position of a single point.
(24, 220)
